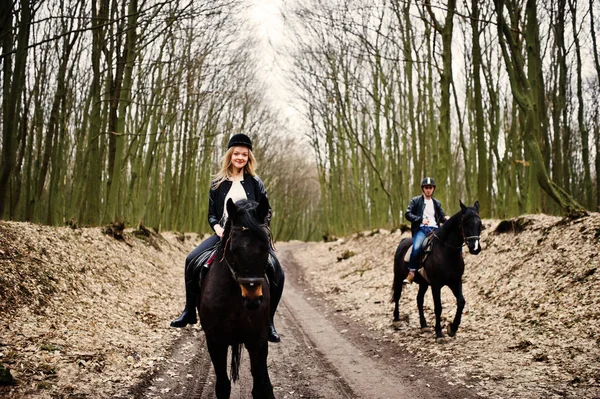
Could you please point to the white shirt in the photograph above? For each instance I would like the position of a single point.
(236, 193)
(429, 213)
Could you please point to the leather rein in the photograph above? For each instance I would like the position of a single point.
(243, 280)
(462, 230)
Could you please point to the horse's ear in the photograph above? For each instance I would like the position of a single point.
(262, 210)
(231, 208)
(462, 206)
(476, 206)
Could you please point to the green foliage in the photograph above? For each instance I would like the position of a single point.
(125, 121)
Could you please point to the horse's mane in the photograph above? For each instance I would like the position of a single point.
(453, 224)
(449, 226)
(246, 218)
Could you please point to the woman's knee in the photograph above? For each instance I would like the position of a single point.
(189, 259)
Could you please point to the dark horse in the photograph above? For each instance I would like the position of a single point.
(234, 305)
(444, 265)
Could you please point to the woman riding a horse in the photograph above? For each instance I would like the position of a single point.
(234, 309)
(237, 180)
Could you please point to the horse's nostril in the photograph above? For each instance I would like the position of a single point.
(253, 304)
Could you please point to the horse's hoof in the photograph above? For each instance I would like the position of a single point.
(440, 340)
(397, 324)
(449, 330)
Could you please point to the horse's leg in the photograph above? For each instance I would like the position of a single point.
(437, 305)
(460, 305)
(262, 387)
(420, 298)
(218, 355)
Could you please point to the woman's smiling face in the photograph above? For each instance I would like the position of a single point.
(239, 157)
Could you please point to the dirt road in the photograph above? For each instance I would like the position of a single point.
(321, 355)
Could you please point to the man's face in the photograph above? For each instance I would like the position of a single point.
(428, 190)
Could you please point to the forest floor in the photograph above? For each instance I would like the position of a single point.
(85, 315)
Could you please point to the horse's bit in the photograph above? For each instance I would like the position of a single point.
(251, 281)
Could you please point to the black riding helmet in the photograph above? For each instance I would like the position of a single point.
(240, 139)
(428, 181)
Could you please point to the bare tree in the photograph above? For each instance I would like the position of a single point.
(523, 88)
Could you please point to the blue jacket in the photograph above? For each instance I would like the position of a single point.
(414, 213)
(254, 187)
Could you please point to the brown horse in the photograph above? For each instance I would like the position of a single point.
(234, 305)
(443, 266)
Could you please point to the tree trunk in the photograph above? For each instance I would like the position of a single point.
(120, 102)
(526, 98)
(444, 173)
(559, 98)
(583, 130)
(596, 127)
(482, 157)
(13, 84)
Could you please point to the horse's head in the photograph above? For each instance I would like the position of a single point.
(470, 226)
(247, 247)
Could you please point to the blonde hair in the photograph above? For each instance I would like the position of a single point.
(227, 168)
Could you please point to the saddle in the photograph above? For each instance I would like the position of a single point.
(204, 259)
(200, 266)
(426, 247)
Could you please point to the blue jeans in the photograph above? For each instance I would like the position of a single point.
(417, 242)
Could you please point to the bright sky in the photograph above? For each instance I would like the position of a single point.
(269, 27)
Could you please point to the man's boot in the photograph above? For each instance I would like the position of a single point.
(410, 277)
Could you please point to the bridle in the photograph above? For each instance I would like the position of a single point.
(230, 265)
(462, 231)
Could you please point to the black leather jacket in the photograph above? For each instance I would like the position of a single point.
(414, 213)
(255, 190)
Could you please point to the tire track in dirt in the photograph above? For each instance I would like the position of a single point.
(313, 360)
(184, 374)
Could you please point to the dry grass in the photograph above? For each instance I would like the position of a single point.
(531, 328)
(86, 315)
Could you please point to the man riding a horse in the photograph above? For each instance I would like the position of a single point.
(444, 264)
(425, 215)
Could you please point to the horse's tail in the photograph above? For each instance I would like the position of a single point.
(399, 264)
(236, 350)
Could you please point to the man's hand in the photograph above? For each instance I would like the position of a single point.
(219, 230)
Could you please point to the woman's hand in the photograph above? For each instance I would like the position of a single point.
(219, 230)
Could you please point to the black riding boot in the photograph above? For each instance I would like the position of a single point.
(188, 316)
(276, 280)
(194, 274)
